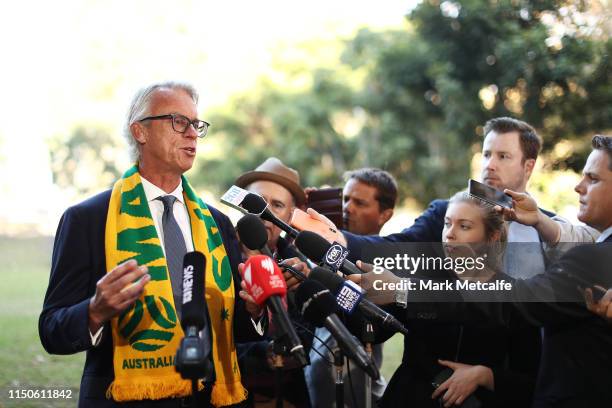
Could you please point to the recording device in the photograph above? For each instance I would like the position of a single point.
(320, 251)
(234, 197)
(266, 285)
(251, 203)
(327, 201)
(191, 357)
(255, 204)
(488, 194)
(254, 236)
(350, 296)
(317, 306)
(291, 251)
(303, 222)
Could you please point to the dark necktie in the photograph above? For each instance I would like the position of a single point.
(174, 244)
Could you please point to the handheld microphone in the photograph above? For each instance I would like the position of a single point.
(191, 359)
(301, 256)
(248, 202)
(255, 204)
(349, 296)
(317, 306)
(319, 250)
(266, 284)
(253, 234)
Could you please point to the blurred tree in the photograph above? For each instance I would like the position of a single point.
(303, 128)
(413, 101)
(432, 87)
(87, 161)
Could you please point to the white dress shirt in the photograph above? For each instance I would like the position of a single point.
(605, 234)
(179, 211)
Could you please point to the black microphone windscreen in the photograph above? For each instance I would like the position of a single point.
(254, 203)
(315, 302)
(312, 245)
(194, 303)
(252, 232)
(327, 278)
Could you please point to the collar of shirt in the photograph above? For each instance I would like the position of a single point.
(605, 234)
(152, 191)
(157, 209)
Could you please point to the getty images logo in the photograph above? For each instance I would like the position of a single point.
(187, 283)
(268, 265)
(335, 255)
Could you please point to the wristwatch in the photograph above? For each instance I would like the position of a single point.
(401, 296)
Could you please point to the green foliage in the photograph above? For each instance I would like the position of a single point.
(296, 126)
(413, 101)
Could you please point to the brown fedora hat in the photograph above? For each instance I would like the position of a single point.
(274, 170)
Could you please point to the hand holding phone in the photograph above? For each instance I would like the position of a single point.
(304, 222)
(488, 194)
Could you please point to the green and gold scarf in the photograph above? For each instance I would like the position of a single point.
(147, 335)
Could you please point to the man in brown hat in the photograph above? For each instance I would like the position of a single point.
(279, 185)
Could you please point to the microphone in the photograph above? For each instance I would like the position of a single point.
(349, 295)
(253, 234)
(319, 250)
(255, 204)
(191, 359)
(292, 251)
(248, 202)
(266, 284)
(317, 306)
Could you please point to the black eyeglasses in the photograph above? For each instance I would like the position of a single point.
(181, 123)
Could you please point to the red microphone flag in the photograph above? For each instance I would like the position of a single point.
(263, 278)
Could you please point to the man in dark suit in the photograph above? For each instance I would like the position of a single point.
(576, 364)
(509, 153)
(88, 294)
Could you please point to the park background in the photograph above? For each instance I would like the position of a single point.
(327, 86)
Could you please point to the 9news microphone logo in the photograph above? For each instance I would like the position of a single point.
(187, 284)
(349, 296)
(335, 256)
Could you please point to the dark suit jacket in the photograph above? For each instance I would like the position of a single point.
(576, 365)
(426, 228)
(78, 262)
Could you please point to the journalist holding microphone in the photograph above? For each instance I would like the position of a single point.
(115, 289)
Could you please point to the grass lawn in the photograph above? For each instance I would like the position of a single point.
(23, 362)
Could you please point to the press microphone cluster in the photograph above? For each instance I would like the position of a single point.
(317, 306)
(350, 296)
(266, 285)
(191, 358)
